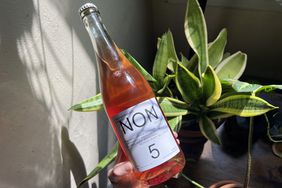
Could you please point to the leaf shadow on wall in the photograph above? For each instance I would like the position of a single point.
(105, 137)
(32, 113)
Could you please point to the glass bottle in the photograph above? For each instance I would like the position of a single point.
(135, 115)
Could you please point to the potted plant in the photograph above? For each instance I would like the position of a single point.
(200, 89)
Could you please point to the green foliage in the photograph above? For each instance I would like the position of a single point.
(94, 103)
(205, 86)
(242, 105)
(196, 33)
(208, 129)
(232, 67)
(108, 159)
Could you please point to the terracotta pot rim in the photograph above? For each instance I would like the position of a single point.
(226, 184)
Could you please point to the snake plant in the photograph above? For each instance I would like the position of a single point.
(206, 86)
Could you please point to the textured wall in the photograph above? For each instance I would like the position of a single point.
(46, 65)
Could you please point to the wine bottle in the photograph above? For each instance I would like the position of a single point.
(131, 106)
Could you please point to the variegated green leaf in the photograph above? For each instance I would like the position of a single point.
(196, 33)
(215, 52)
(226, 55)
(208, 129)
(211, 87)
(242, 105)
(240, 86)
(175, 123)
(216, 48)
(139, 67)
(193, 64)
(232, 67)
(185, 62)
(167, 80)
(165, 54)
(213, 115)
(108, 159)
(268, 88)
(188, 84)
(172, 107)
(91, 104)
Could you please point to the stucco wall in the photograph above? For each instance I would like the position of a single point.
(46, 65)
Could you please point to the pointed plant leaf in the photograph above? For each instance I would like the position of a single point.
(226, 55)
(164, 55)
(268, 88)
(167, 80)
(216, 48)
(175, 123)
(188, 84)
(193, 64)
(91, 104)
(158, 42)
(240, 86)
(211, 87)
(196, 33)
(172, 107)
(185, 62)
(108, 159)
(208, 129)
(242, 105)
(215, 52)
(232, 67)
(213, 115)
(139, 67)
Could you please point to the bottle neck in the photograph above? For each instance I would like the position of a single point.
(104, 46)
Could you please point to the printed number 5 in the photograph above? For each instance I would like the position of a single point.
(155, 153)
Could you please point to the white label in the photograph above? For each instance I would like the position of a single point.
(146, 135)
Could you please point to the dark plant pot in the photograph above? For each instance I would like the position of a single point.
(236, 129)
(226, 184)
(234, 135)
(191, 139)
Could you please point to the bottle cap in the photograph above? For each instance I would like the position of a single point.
(87, 8)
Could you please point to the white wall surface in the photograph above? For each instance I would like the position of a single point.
(46, 65)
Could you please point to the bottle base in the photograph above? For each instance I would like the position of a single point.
(162, 172)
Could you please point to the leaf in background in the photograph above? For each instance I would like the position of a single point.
(242, 105)
(193, 64)
(240, 86)
(208, 129)
(188, 84)
(232, 67)
(172, 107)
(108, 159)
(226, 55)
(167, 80)
(216, 48)
(196, 33)
(175, 123)
(185, 62)
(211, 87)
(165, 54)
(268, 88)
(91, 104)
(139, 67)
